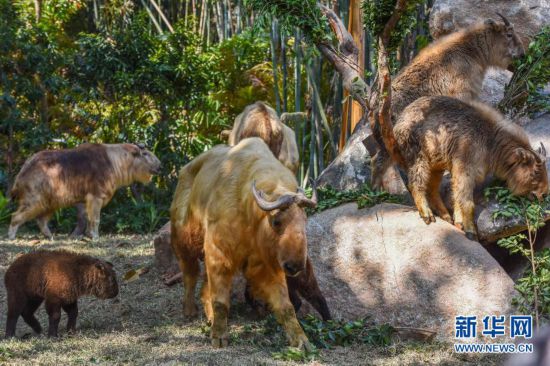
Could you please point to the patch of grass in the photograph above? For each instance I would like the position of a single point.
(145, 325)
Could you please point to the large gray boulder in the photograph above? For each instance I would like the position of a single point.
(527, 16)
(385, 262)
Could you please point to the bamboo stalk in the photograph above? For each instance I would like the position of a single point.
(274, 42)
(152, 17)
(159, 10)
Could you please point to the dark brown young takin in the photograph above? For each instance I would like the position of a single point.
(303, 285)
(89, 173)
(58, 278)
(454, 65)
(471, 140)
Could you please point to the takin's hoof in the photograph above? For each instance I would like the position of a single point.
(190, 311)
(428, 219)
(448, 218)
(302, 343)
(220, 342)
(471, 236)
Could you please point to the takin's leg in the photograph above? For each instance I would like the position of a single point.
(53, 308)
(28, 314)
(306, 285)
(93, 210)
(434, 197)
(42, 222)
(81, 221)
(463, 185)
(272, 289)
(23, 214)
(182, 242)
(218, 292)
(419, 178)
(72, 314)
(16, 303)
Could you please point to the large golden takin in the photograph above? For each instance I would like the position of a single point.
(242, 209)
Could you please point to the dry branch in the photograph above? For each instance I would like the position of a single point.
(384, 94)
(344, 59)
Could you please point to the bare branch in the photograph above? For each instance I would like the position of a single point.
(345, 58)
(384, 110)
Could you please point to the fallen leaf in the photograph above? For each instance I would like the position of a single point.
(134, 274)
(34, 242)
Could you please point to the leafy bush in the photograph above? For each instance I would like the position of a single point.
(525, 92)
(534, 286)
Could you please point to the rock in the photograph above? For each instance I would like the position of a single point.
(351, 168)
(165, 261)
(494, 83)
(527, 16)
(385, 262)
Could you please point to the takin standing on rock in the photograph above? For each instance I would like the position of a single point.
(455, 66)
(471, 140)
(260, 120)
(59, 278)
(243, 210)
(90, 173)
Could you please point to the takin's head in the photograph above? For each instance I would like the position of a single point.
(504, 42)
(144, 163)
(102, 280)
(527, 172)
(286, 221)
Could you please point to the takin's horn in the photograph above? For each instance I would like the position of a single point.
(281, 203)
(506, 21)
(140, 145)
(308, 202)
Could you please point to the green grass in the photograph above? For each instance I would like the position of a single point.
(144, 325)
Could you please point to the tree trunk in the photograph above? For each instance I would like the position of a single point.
(355, 27)
(274, 43)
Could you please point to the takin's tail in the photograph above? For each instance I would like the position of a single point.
(187, 174)
(14, 193)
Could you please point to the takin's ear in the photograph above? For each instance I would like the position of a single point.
(133, 149)
(522, 156)
(490, 22)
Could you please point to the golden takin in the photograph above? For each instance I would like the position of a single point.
(260, 120)
(89, 173)
(242, 210)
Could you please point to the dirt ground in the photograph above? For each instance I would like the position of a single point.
(144, 324)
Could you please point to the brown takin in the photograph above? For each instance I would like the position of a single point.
(90, 173)
(471, 140)
(454, 65)
(58, 278)
(244, 210)
(260, 120)
(303, 285)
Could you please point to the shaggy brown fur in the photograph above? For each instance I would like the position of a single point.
(471, 140)
(304, 285)
(90, 173)
(59, 278)
(454, 65)
(260, 120)
(217, 212)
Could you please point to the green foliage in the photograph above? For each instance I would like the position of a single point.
(328, 334)
(365, 197)
(304, 14)
(4, 209)
(62, 84)
(524, 93)
(376, 14)
(534, 286)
